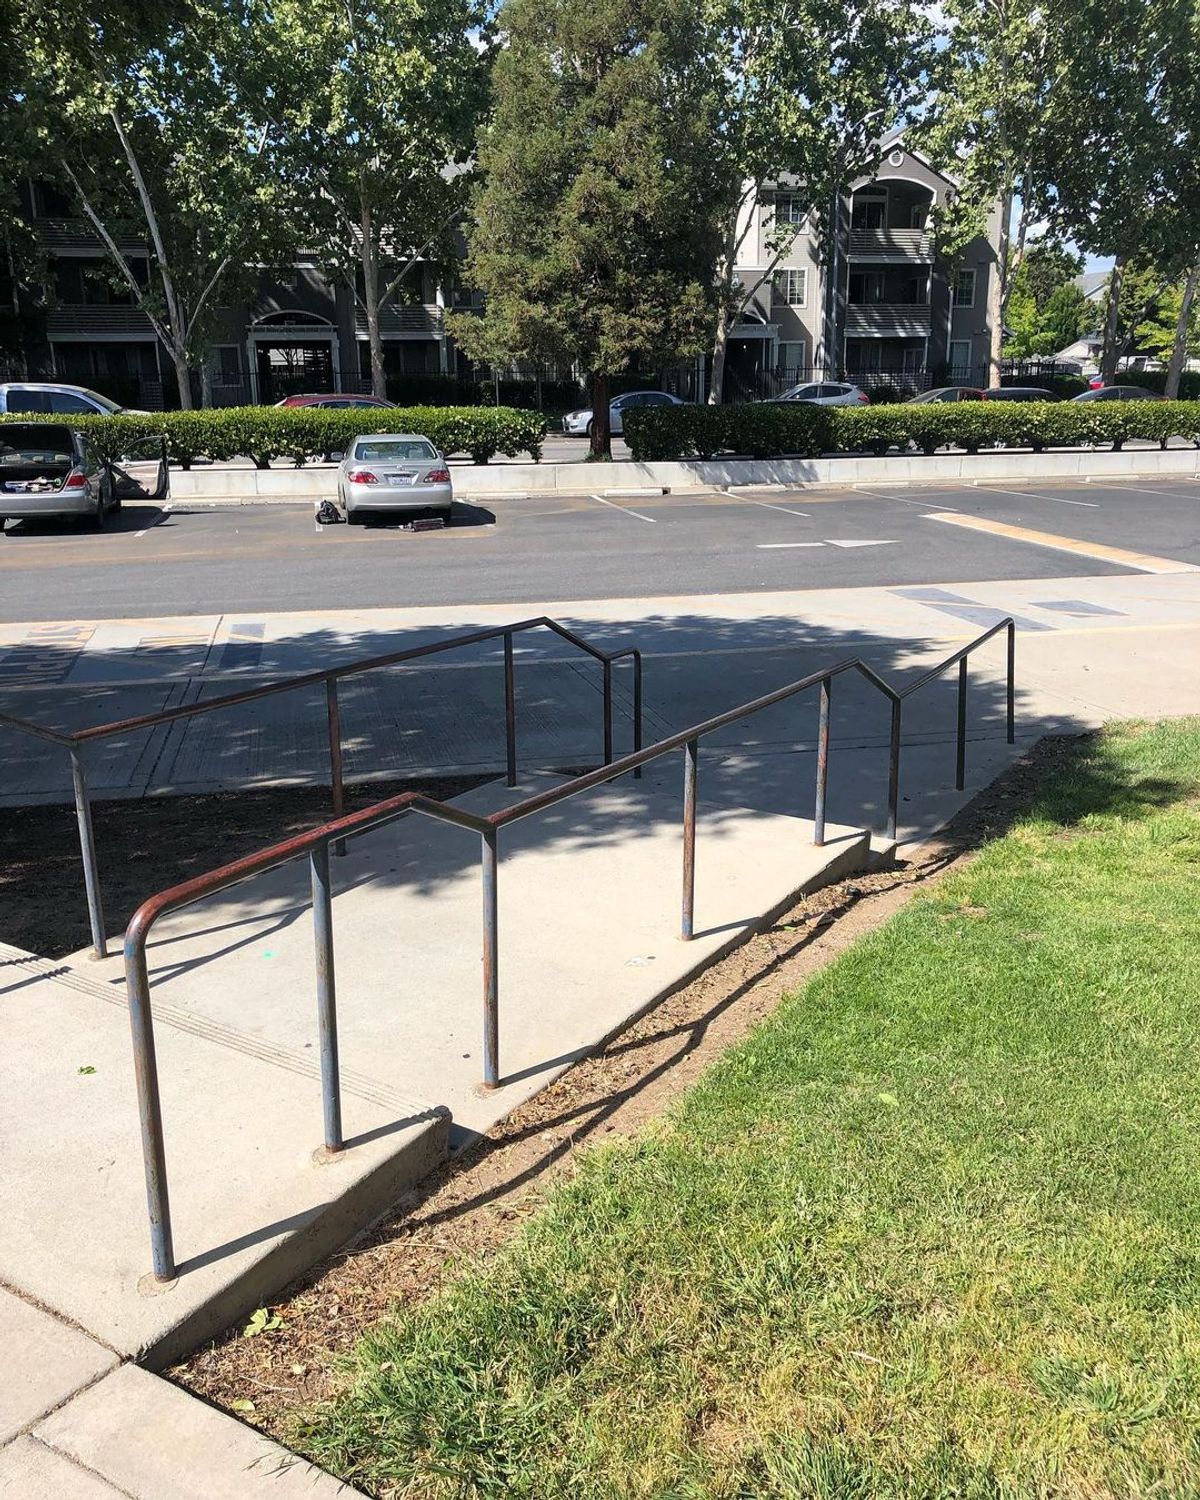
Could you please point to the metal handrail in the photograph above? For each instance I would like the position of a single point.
(317, 843)
(330, 676)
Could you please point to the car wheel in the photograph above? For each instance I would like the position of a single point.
(587, 432)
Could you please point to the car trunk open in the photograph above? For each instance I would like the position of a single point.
(34, 458)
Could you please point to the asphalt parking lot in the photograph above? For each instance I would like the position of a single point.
(165, 560)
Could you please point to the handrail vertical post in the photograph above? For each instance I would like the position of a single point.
(894, 770)
(334, 719)
(510, 710)
(87, 849)
(1012, 682)
(322, 902)
(491, 956)
(822, 762)
(691, 758)
(637, 709)
(145, 1072)
(608, 712)
(960, 765)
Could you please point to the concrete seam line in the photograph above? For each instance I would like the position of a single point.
(1144, 562)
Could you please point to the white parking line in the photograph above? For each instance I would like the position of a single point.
(768, 505)
(624, 509)
(779, 546)
(1144, 489)
(982, 484)
(162, 516)
(899, 499)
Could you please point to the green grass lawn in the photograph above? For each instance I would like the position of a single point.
(933, 1230)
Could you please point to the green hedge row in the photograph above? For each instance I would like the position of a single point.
(299, 433)
(766, 431)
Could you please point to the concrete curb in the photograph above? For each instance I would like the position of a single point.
(482, 482)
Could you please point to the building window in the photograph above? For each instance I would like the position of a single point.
(793, 359)
(791, 286)
(790, 210)
(960, 357)
(964, 287)
(226, 364)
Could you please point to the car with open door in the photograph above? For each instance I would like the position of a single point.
(49, 471)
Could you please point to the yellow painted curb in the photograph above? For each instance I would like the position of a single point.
(1144, 562)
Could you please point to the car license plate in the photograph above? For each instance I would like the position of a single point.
(401, 478)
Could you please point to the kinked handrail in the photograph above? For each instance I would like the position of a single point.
(330, 677)
(317, 842)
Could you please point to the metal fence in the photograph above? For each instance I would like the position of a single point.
(317, 843)
(75, 743)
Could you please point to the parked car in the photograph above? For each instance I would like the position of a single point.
(1119, 393)
(1018, 393)
(947, 393)
(824, 393)
(339, 399)
(47, 470)
(59, 400)
(579, 423)
(50, 471)
(393, 471)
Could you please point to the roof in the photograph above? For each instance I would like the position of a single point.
(1093, 284)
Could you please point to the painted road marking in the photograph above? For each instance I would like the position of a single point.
(162, 516)
(1143, 562)
(624, 509)
(860, 489)
(996, 489)
(767, 504)
(830, 542)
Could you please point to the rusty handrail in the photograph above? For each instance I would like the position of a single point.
(74, 741)
(317, 843)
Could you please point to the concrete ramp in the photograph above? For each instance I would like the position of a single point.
(589, 924)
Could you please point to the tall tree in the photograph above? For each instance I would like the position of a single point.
(374, 106)
(1046, 309)
(808, 89)
(1125, 179)
(134, 111)
(592, 236)
(995, 86)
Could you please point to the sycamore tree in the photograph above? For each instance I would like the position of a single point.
(592, 234)
(807, 90)
(996, 86)
(132, 109)
(373, 107)
(1124, 180)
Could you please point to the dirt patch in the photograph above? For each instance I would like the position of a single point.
(151, 843)
(475, 1202)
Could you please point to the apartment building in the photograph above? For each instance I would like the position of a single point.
(863, 291)
(298, 331)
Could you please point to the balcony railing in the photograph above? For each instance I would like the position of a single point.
(415, 317)
(891, 244)
(910, 320)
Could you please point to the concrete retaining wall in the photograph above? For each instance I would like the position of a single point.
(238, 486)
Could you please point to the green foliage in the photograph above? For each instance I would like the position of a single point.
(1046, 310)
(928, 1233)
(758, 430)
(298, 433)
(767, 431)
(589, 237)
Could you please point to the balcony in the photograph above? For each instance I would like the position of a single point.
(888, 245)
(82, 322)
(412, 320)
(885, 320)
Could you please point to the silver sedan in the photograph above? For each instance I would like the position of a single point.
(396, 472)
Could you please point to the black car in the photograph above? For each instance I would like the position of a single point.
(1019, 393)
(1119, 393)
(946, 393)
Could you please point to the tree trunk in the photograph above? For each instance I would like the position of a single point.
(601, 434)
(370, 266)
(183, 378)
(206, 385)
(1109, 353)
(716, 386)
(998, 291)
(1182, 327)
